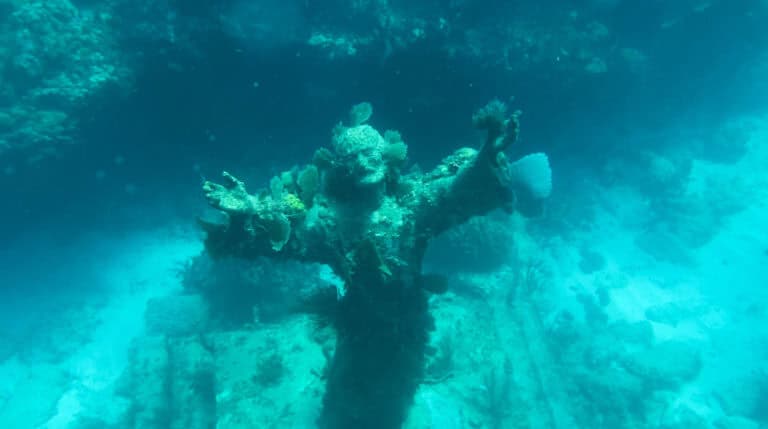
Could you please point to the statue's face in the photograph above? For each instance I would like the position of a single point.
(360, 150)
(368, 168)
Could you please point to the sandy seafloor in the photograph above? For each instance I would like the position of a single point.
(63, 355)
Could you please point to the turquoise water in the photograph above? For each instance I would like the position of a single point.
(387, 249)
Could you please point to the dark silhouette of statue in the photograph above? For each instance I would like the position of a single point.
(355, 209)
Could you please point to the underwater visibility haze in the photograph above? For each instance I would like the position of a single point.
(382, 214)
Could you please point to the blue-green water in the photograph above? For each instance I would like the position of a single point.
(370, 285)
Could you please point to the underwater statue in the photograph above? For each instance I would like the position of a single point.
(355, 209)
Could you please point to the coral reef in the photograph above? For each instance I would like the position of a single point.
(61, 55)
(55, 58)
(690, 192)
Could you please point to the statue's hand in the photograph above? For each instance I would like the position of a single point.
(231, 197)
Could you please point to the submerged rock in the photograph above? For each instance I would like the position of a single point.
(29, 399)
(590, 260)
(176, 315)
(736, 423)
(666, 365)
(745, 396)
(271, 376)
(671, 313)
(145, 384)
(169, 384)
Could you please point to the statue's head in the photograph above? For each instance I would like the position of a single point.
(363, 157)
(359, 151)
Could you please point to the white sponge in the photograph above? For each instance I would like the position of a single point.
(532, 173)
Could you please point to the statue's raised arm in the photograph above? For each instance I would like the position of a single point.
(472, 182)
